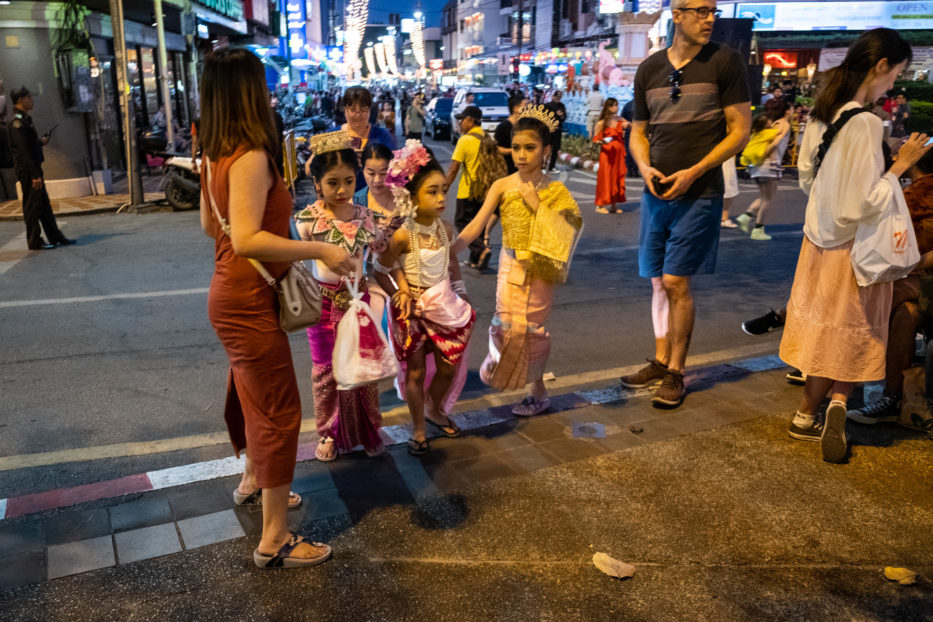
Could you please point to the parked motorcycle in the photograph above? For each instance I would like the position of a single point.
(182, 186)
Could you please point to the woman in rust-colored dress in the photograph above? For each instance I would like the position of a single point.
(239, 177)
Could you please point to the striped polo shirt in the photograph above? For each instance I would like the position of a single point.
(682, 132)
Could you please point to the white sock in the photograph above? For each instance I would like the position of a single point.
(802, 420)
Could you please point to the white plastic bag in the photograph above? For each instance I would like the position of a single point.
(885, 250)
(362, 354)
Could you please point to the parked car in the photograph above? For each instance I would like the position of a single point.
(493, 102)
(437, 117)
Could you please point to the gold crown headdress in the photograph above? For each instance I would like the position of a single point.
(330, 141)
(542, 114)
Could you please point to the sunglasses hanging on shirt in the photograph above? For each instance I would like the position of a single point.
(676, 79)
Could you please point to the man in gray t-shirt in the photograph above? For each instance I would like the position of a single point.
(692, 113)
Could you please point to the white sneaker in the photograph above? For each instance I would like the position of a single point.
(744, 221)
(758, 233)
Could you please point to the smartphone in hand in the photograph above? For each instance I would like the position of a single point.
(659, 187)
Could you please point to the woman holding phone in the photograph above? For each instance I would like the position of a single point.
(836, 332)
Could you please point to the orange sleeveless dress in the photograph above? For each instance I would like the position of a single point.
(263, 406)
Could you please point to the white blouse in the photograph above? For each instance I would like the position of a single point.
(852, 186)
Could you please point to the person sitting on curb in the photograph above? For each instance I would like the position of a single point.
(906, 318)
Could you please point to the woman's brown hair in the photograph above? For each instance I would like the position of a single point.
(235, 108)
(842, 82)
(609, 103)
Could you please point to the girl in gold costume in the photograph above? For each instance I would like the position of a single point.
(541, 223)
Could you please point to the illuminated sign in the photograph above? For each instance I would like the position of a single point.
(296, 16)
(231, 8)
(335, 53)
(837, 15)
(781, 60)
(437, 63)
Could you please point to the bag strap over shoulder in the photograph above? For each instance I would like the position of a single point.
(830, 135)
(225, 226)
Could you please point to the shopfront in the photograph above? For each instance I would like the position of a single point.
(76, 89)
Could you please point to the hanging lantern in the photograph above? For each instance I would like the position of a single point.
(379, 51)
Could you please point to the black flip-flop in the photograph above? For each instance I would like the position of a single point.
(254, 499)
(283, 558)
(450, 430)
(418, 448)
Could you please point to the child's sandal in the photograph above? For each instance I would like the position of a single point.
(418, 448)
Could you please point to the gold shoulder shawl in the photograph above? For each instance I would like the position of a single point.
(543, 241)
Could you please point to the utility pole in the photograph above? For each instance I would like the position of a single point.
(126, 106)
(163, 70)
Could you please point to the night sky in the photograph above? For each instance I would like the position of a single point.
(432, 9)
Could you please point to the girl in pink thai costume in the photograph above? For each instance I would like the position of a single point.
(345, 419)
(429, 311)
(377, 196)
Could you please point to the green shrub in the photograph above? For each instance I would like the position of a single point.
(914, 89)
(581, 146)
(921, 117)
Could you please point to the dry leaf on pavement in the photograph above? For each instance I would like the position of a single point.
(613, 567)
(901, 575)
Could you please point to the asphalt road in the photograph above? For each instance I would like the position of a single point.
(107, 342)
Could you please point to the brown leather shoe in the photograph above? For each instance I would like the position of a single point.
(649, 374)
(671, 391)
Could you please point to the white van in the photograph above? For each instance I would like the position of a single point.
(493, 102)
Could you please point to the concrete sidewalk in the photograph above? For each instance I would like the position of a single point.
(13, 210)
(725, 517)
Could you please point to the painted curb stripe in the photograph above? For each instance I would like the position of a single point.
(38, 502)
(392, 435)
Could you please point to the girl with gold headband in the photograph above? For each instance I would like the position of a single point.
(541, 223)
(344, 419)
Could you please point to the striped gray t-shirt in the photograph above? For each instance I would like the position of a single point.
(682, 130)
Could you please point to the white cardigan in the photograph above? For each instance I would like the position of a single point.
(852, 186)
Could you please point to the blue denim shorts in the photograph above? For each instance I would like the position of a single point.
(679, 237)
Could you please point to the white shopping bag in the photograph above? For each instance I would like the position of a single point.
(885, 250)
(362, 354)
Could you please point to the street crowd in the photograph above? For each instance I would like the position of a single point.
(381, 254)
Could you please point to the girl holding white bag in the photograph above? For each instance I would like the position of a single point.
(345, 418)
(837, 323)
(429, 311)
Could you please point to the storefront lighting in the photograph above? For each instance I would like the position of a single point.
(811, 71)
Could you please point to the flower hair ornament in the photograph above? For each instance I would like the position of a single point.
(406, 162)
